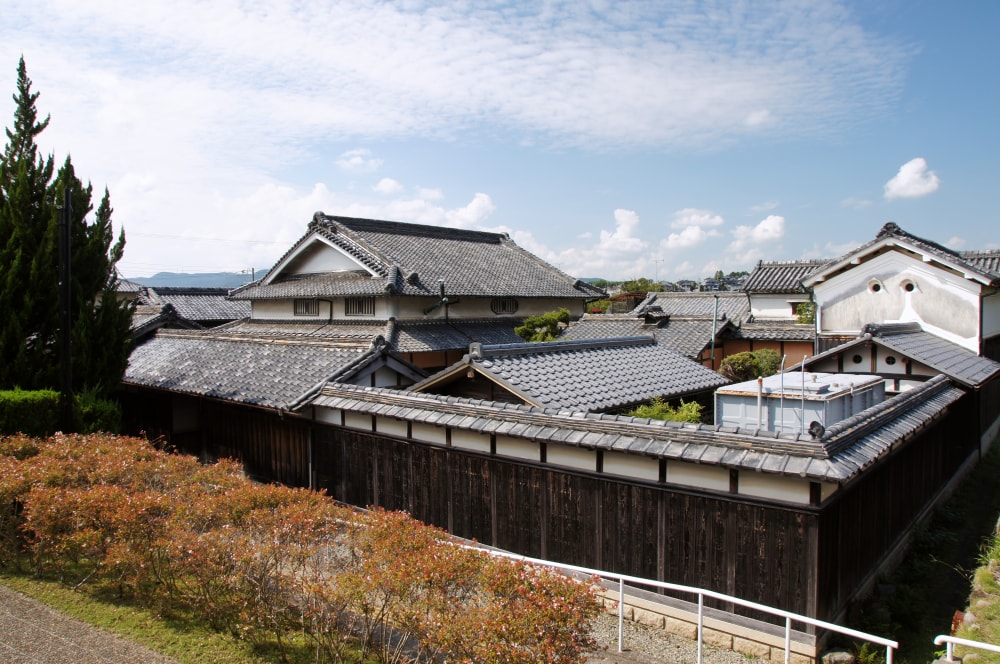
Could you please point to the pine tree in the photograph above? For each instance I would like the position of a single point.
(29, 297)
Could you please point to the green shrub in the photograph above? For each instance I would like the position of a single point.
(660, 409)
(36, 412)
(544, 327)
(749, 365)
(805, 313)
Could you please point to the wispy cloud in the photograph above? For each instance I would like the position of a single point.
(752, 243)
(913, 180)
(359, 161)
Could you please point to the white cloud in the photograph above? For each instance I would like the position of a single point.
(359, 161)
(695, 217)
(856, 203)
(766, 206)
(387, 186)
(430, 194)
(751, 242)
(912, 181)
(955, 242)
(691, 236)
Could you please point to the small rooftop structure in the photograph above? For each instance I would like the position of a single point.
(795, 402)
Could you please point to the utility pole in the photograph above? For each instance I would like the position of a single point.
(656, 271)
(65, 241)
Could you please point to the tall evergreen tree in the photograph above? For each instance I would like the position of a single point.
(29, 296)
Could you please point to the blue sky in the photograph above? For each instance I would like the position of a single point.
(614, 139)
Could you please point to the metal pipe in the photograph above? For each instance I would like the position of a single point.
(760, 400)
(781, 403)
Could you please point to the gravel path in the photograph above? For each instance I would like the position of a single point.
(648, 645)
(32, 633)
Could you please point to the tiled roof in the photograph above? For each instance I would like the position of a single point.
(456, 334)
(126, 286)
(198, 304)
(411, 259)
(733, 305)
(688, 335)
(982, 265)
(591, 375)
(146, 319)
(908, 339)
(273, 373)
(363, 331)
(781, 276)
(773, 330)
(842, 452)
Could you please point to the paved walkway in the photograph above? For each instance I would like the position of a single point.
(32, 633)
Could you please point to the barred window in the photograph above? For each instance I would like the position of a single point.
(504, 305)
(306, 307)
(359, 306)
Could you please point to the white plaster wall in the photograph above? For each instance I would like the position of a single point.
(361, 421)
(775, 305)
(991, 315)
(328, 415)
(702, 476)
(470, 440)
(386, 377)
(631, 465)
(571, 457)
(320, 256)
(774, 487)
(428, 433)
(826, 490)
(391, 426)
(521, 449)
(943, 303)
(285, 310)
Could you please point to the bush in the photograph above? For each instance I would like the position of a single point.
(741, 367)
(542, 328)
(660, 409)
(270, 564)
(34, 413)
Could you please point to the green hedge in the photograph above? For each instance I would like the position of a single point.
(36, 413)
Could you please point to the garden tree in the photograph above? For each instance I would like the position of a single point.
(544, 327)
(749, 365)
(660, 409)
(30, 198)
(642, 284)
(805, 313)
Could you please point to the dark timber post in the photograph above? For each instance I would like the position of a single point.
(65, 318)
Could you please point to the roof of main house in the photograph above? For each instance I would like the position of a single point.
(909, 340)
(732, 305)
(592, 375)
(841, 453)
(272, 371)
(979, 266)
(781, 276)
(413, 259)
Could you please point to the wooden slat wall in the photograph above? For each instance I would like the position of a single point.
(800, 559)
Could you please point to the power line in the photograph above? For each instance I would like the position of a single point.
(189, 238)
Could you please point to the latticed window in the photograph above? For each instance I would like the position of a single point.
(504, 305)
(306, 307)
(359, 306)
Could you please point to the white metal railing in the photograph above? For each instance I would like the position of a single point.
(952, 641)
(890, 646)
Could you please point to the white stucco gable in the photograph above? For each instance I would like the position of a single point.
(313, 255)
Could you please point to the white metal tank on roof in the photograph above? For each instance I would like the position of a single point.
(790, 402)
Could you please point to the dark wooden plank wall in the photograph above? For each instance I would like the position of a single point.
(652, 532)
(865, 520)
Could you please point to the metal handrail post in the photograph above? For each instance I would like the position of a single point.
(621, 615)
(788, 639)
(701, 623)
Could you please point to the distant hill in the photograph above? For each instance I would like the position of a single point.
(198, 280)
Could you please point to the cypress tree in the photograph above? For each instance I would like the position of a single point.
(29, 294)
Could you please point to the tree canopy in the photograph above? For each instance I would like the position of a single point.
(544, 327)
(749, 365)
(31, 194)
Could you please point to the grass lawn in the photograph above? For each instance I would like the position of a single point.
(177, 637)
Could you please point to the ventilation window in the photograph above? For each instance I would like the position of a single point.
(856, 359)
(909, 286)
(890, 360)
(306, 307)
(504, 305)
(874, 286)
(359, 306)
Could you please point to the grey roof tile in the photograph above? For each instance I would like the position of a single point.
(781, 276)
(197, 304)
(411, 259)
